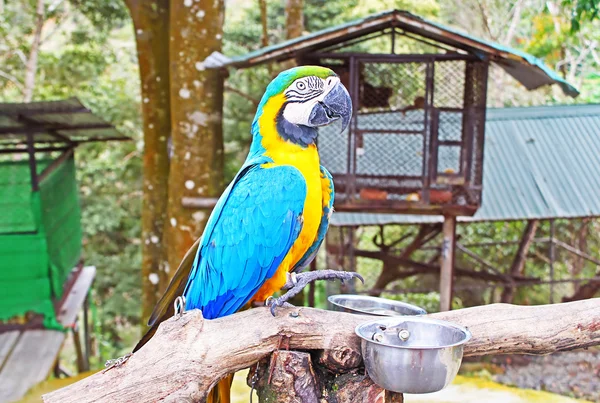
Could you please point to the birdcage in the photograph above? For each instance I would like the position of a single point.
(415, 142)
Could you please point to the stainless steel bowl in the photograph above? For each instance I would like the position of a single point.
(412, 354)
(373, 305)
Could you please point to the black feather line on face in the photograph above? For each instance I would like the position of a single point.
(313, 88)
(297, 134)
(294, 96)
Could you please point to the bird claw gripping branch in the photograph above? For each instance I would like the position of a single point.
(296, 283)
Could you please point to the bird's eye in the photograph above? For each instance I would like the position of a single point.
(300, 85)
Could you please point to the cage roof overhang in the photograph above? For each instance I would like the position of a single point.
(525, 68)
(65, 121)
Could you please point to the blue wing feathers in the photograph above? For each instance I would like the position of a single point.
(249, 234)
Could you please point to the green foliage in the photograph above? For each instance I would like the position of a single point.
(429, 301)
(104, 15)
(92, 56)
(582, 10)
(322, 14)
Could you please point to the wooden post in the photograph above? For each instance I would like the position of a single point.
(552, 252)
(86, 333)
(447, 262)
(81, 367)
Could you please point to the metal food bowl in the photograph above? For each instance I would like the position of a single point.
(412, 354)
(373, 305)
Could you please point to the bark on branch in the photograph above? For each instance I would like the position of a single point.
(188, 355)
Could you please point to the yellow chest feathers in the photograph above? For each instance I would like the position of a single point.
(306, 160)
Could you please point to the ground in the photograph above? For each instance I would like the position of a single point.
(463, 390)
(574, 373)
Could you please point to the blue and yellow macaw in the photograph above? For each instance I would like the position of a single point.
(272, 218)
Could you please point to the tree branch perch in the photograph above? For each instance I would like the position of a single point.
(188, 355)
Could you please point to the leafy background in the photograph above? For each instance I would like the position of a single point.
(88, 51)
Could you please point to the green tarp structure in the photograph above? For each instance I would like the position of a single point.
(40, 238)
(40, 229)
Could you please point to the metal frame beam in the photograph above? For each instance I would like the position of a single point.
(47, 128)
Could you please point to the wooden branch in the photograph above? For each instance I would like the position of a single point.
(390, 270)
(242, 94)
(481, 261)
(188, 355)
(518, 265)
(587, 290)
(576, 252)
(422, 267)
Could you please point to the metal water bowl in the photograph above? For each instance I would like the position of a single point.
(373, 305)
(412, 354)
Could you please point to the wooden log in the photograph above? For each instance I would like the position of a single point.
(341, 358)
(188, 355)
(289, 378)
(355, 387)
(292, 377)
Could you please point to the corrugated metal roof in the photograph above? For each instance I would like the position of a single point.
(539, 163)
(527, 69)
(65, 120)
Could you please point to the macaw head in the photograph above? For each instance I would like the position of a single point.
(300, 100)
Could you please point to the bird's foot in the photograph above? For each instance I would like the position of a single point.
(117, 362)
(296, 282)
(278, 302)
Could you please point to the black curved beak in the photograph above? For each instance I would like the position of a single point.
(336, 105)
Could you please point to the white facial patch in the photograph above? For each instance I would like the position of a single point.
(303, 94)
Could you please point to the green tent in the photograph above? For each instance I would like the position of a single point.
(40, 229)
(40, 237)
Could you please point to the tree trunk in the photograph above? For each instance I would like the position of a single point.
(196, 169)
(151, 23)
(188, 355)
(518, 265)
(264, 39)
(580, 239)
(294, 18)
(289, 377)
(292, 377)
(32, 60)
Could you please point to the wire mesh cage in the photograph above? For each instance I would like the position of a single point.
(416, 139)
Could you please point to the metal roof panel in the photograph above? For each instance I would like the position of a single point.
(532, 72)
(540, 163)
(53, 121)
